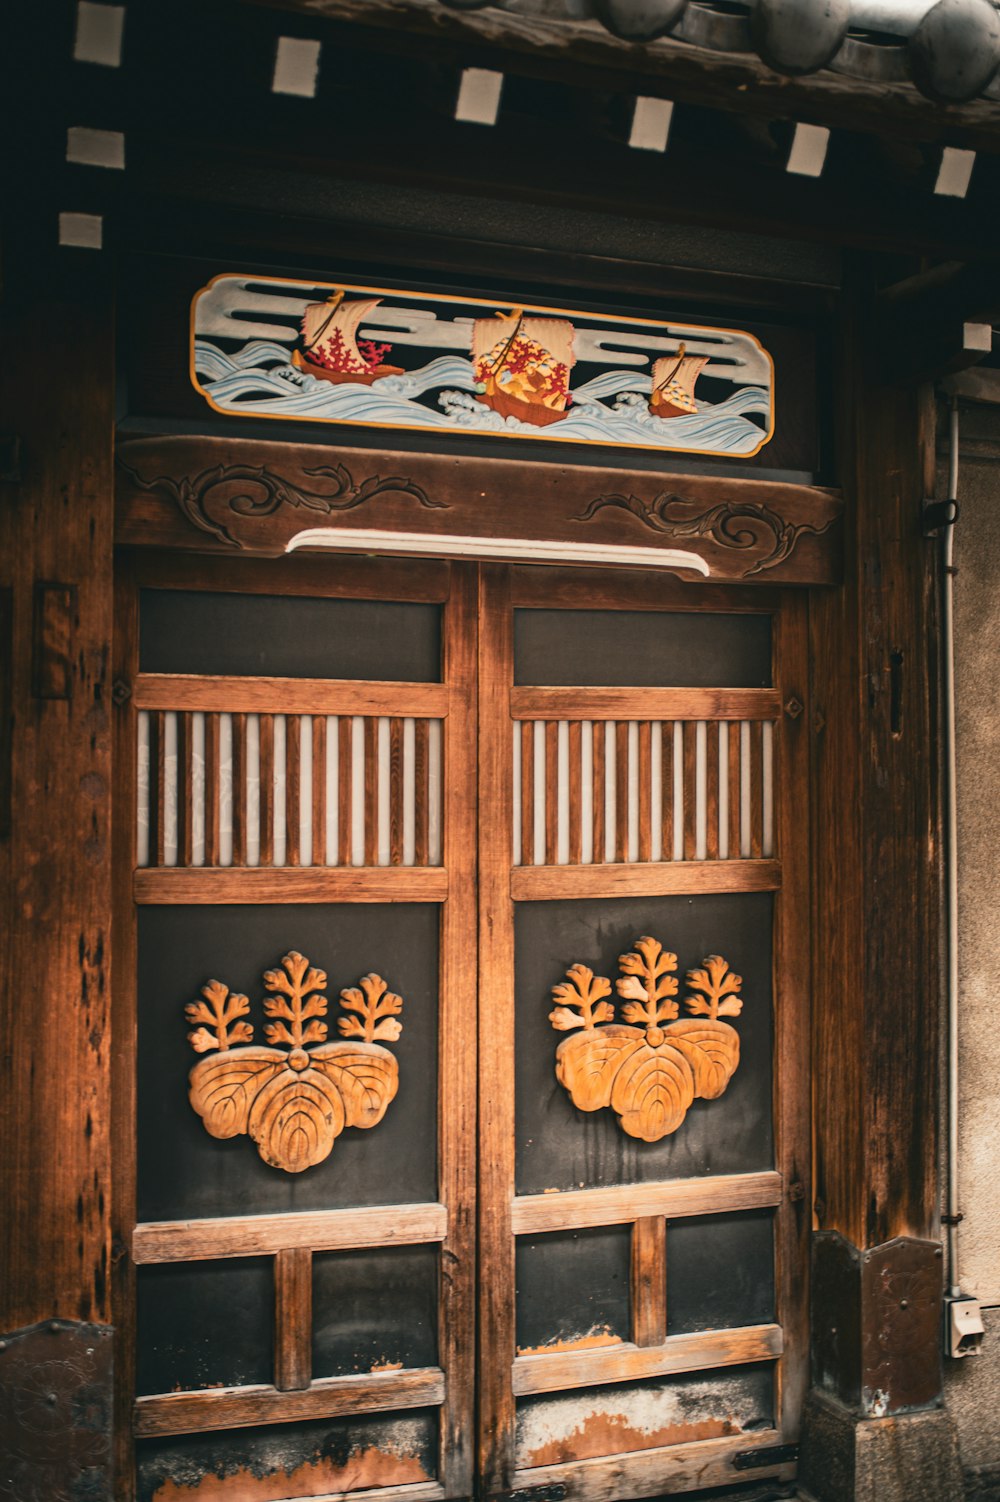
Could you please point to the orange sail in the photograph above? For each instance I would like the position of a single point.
(330, 342)
(673, 384)
(522, 365)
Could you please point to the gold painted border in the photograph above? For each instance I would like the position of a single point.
(480, 302)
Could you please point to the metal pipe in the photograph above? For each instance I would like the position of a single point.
(951, 858)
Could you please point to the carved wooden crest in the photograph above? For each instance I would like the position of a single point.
(650, 1072)
(292, 1100)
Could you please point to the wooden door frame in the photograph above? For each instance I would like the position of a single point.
(707, 1463)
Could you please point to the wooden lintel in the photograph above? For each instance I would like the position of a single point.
(643, 879)
(246, 695)
(645, 703)
(234, 885)
(317, 1230)
(575, 1208)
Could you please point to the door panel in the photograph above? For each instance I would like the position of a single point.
(640, 1207)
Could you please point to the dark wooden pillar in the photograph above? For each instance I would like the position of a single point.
(55, 887)
(877, 991)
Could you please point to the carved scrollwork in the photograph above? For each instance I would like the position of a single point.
(254, 490)
(294, 1100)
(744, 526)
(651, 1071)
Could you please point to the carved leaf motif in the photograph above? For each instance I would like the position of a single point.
(648, 978)
(713, 1051)
(219, 1010)
(366, 1075)
(587, 1063)
(296, 1119)
(717, 982)
(652, 1091)
(376, 1002)
(223, 1087)
(583, 989)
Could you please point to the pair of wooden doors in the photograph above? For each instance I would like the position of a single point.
(471, 1094)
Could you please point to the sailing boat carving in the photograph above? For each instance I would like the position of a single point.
(331, 350)
(522, 365)
(673, 384)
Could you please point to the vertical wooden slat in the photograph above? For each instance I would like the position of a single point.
(645, 791)
(551, 791)
(599, 791)
(734, 790)
(265, 795)
(527, 793)
(575, 791)
(212, 780)
(239, 800)
(319, 793)
(756, 789)
(712, 790)
(690, 801)
(293, 1319)
(496, 1032)
(371, 791)
(158, 785)
(293, 787)
(185, 789)
(421, 797)
(621, 790)
(396, 792)
(667, 790)
(345, 785)
(648, 1281)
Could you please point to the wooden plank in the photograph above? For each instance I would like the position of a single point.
(347, 696)
(575, 792)
(647, 1285)
(345, 790)
(293, 788)
(621, 790)
(527, 734)
(266, 790)
(712, 790)
(551, 791)
(658, 879)
(317, 1230)
(655, 1473)
(645, 791)
(396, 792)
(496, 1034)
(756, 790)
(371, 790)
(735, 792)
(185, 789)
(572, 1209)
(243, 1407)
(458, 1146)
(158, 793)
(599, 792)
(421, 805)
(690, 801)
(320, 854)
(697, 1352)
(213, 774)
(550, 587)
(293, 1319)
(667, 791)
(327, 577)
(644, 703)
(239, 788)
(223, 884)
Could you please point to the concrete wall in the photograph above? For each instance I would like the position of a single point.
(973, 1385)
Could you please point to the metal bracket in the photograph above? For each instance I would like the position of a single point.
(938, 514)
(766, 1455)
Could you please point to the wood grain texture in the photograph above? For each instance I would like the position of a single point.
(551, 792)
(658, 879)
(244, 1407)
(712, 790)
(644, 703)
(735, 795)
(345, 696)
(346, 774)
(317, 1230)
(421, 765)
(371, 790)
(266, 793)
(621, 791)
(320, 853)
(667, 790)
(645, 791)
(55, 867)
(661, 1472)
(396, 792)
(575, 792)
(573, 1209)
(293, 1319)
(213, 775)
(700, 1351)
(647, 1284)
(356, 578)
(293, 788)
(286, 884)
(690, 803)
(598, 792)
(490, 498)
(239, 789)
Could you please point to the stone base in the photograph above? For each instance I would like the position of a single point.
(909, 1458)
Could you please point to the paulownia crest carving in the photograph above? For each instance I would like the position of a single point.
(293, 1099)
(650, 1071)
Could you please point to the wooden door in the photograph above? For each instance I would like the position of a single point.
(300, 805)
(310, 785)
(644, 1162)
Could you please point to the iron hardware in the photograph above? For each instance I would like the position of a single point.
(767, 1455)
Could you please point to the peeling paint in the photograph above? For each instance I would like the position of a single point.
(313, 1478)
(387, 1366)
(597, 1335)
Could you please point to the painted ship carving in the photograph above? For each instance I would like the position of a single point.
(673, 384)
(521, 366)
(331, 350)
